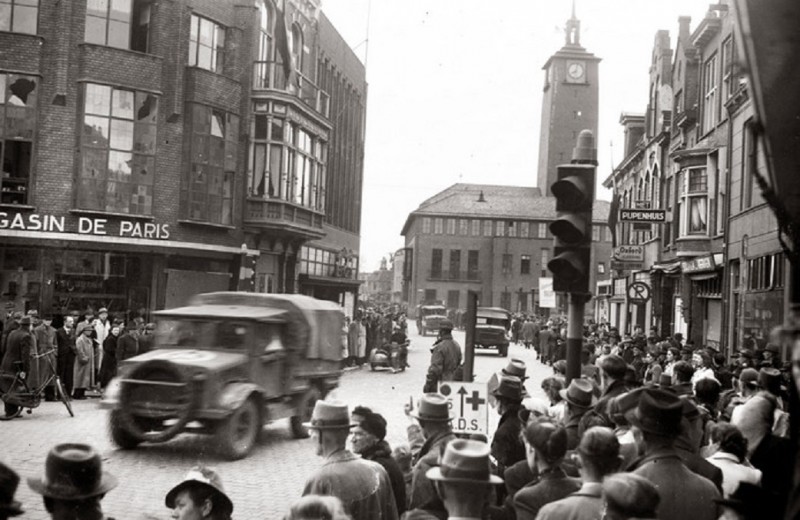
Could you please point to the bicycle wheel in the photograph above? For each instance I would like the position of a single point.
(64, 397)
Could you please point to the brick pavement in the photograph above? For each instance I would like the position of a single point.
(261, 486)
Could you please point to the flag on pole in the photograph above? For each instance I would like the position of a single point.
(282, 42)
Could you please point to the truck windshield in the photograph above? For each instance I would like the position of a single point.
(497, 322)
(188, 333)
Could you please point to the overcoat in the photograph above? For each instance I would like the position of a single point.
(445, 359)
(422, 489)
(108, 367)
(584, 504)
(362, 485)
(84, 350)
(45, 342)
(507, 446)
(19, 348)
(550, 486)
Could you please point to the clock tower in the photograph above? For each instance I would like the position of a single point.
(569, 103)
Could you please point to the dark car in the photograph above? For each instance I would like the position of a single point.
(491, 329)
(226, 365)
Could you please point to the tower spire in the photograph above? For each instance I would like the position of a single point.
(573, 29)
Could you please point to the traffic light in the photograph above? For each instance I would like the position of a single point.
(572, 229)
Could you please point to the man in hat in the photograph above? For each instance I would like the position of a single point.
(579, 400)
(445, 358)
(9, 480)
(18, 355)
(362, 485)
(433, 416)
(369, 441)
(612, 383)
(547, 343)
(464, 480)
(598, 456)
(199, 496)
(772, 356)
(45, 336)
(102, 328)
(507, 446)
(684, 494)
(516, 368)
(74, 483)
(65, 345)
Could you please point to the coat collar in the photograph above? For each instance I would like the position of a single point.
(342, 455)
(590, 489)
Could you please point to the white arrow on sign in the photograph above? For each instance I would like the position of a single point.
(469, 404)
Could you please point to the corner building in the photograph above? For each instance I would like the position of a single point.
(154, 150)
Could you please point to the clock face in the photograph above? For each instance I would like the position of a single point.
(575, 70)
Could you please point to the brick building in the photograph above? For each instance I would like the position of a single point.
(494, 240)
(716, 266)
(154, 150)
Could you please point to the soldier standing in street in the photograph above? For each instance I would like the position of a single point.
(363, 486)
(445, 358)
(19, 349)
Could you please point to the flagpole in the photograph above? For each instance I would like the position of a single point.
(366, 44)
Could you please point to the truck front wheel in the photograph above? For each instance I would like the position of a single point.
(121, 437)
(239, 433)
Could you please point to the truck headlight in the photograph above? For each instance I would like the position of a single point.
(111, 393)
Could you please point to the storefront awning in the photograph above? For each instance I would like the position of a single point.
(667, 268)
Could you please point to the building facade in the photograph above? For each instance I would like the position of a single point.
(715, 267)
(494, 240)
(569, 103)
(154, 150)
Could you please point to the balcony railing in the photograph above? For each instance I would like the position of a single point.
(279, 214)
(270, 75)
(454, 276)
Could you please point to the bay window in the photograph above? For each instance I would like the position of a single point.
(118, 147)
(19, 16)
(124, 24)
(206, 44)
(693, 190)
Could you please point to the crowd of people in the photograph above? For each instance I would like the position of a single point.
(82, 349)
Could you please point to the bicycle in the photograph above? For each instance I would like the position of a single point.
(19, 393)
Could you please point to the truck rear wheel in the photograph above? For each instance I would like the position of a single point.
(237, 434)
(306, 409)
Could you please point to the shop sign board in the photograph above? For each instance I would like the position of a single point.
(643, 216)
(547, 297)
(699, 264)
(469, 406)
(631, 253)
(82, 225)
(617, 265)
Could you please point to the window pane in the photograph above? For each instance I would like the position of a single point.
(119, 34)
(144, 138)
(119, 166)
(121, 134)
(206, 32)
(21, 91)
(98, 99)
(97, 7)
(146, 108)
(25, 19)
(122, 104)
(120, 10)
(141, 202)
(192, 53)
(204, 57)
(143, 170)
(95, 131)
(5, 17)
(217, 124)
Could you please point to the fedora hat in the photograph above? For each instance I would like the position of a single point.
(25, 320)
(445, 325)
(770, 379)
(465, 461)
(773, 348)
(659, 412)
(73, 472)
(433, 407)
(510, 388)
(330, 415)
(9, 480)
(516, 368)
(202, 477)
(579, 393)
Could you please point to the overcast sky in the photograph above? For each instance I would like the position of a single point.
(455, 91)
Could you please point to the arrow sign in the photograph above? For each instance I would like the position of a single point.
(469, 404)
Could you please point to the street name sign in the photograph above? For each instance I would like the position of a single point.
(629, 253)
(645, 216)
(469, 406)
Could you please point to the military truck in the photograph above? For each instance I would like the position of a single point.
(225, 365)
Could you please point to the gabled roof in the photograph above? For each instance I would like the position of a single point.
(499, 202)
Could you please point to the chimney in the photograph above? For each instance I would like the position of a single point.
(683, 27)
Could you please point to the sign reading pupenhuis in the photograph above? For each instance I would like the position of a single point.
(121, 227)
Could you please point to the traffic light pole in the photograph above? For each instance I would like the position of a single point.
(577, 303)
(469, 340)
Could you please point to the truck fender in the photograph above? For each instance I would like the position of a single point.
(235, 394)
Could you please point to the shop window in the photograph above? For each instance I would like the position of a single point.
(124, 24)
(208, 187)
(18, 96)
(118, 146)
(525, 264)
(19, 16)
(206, 44)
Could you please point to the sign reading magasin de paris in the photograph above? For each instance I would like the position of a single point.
(83, 225)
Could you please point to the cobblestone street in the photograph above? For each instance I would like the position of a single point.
(261, 486)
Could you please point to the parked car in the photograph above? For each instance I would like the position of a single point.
(225, 365)
(492, 325)
(432, 317)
